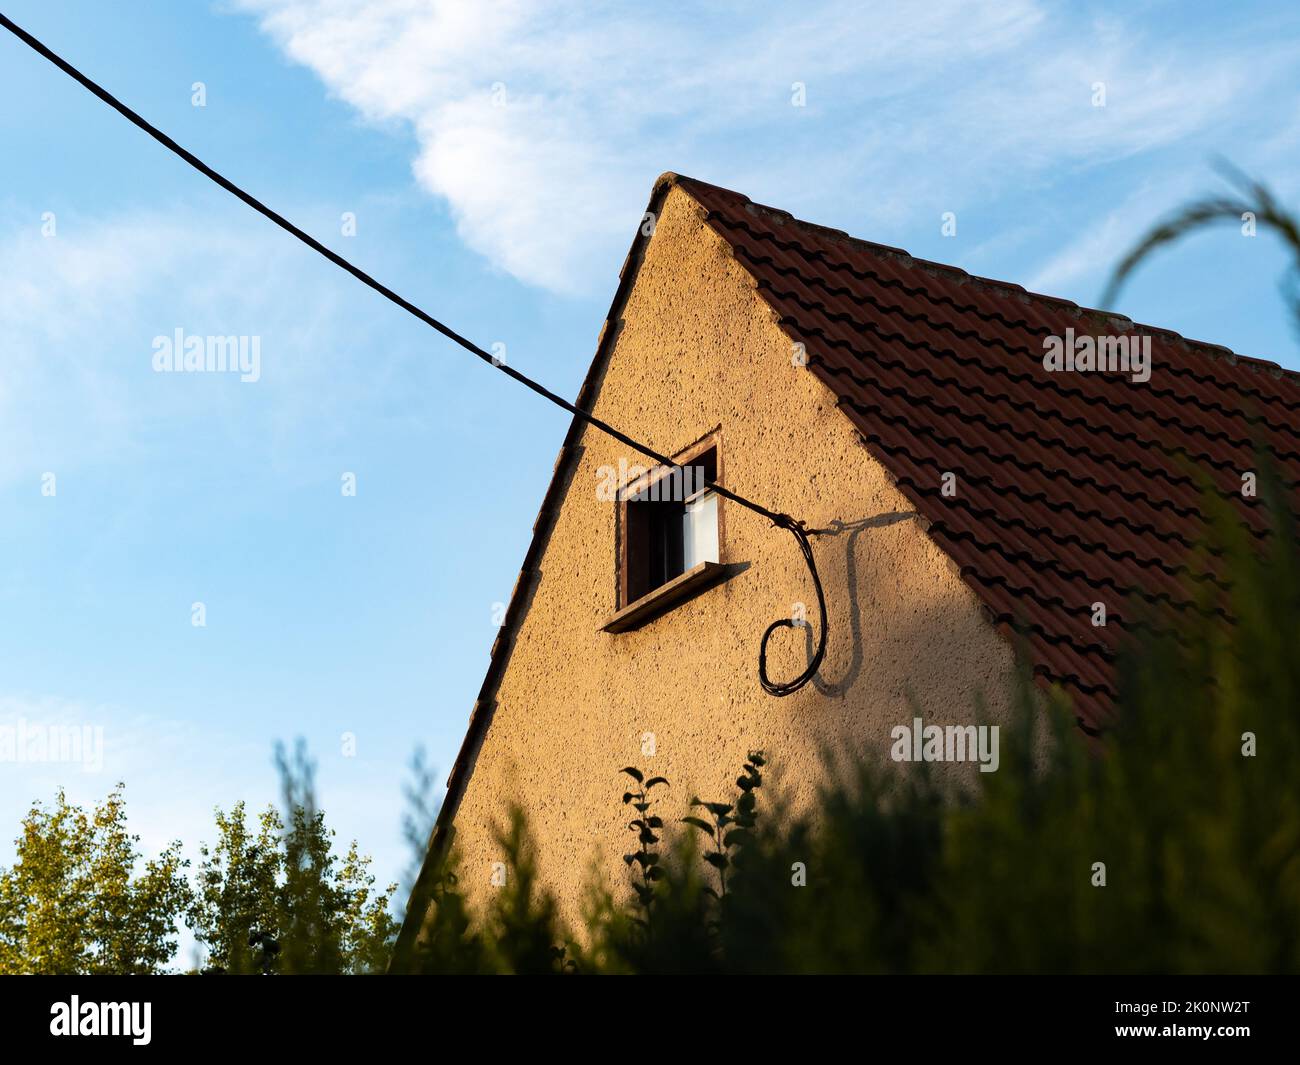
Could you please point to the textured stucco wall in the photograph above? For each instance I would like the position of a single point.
(699, 350)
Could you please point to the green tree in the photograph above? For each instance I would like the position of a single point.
(277, 898)
(234, 902)
(74, 902)
(518, 933)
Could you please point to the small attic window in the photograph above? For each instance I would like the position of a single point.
(669, 531)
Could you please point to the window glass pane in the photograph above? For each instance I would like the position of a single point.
(700, 531)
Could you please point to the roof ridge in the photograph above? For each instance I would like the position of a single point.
(962, 277)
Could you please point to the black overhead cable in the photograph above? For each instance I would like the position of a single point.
(784, 521)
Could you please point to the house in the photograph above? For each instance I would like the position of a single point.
(978, 461)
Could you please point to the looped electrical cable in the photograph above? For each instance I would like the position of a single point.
(783, 521)
(797, 530)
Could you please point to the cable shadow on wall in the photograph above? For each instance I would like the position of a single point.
(853, 529)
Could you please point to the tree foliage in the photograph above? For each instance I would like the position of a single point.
(77, 899)
(1247, 203)
(278, 898)
(268, 897)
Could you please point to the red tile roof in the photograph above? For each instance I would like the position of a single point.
(1072, 488)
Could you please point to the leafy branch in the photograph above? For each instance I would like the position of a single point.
(732, 824)
(1251, 199)
(645, 859)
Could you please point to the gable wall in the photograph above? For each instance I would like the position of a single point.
(699, 350)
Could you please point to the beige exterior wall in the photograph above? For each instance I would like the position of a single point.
(699, 350)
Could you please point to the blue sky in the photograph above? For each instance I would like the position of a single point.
(497, 158)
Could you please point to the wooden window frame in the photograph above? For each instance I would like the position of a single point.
(630, 613)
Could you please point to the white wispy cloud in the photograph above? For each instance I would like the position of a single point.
(83, 307)
(1089, 256)
(963, 101)
(161, 759)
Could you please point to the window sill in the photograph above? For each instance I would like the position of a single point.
(665, 597)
